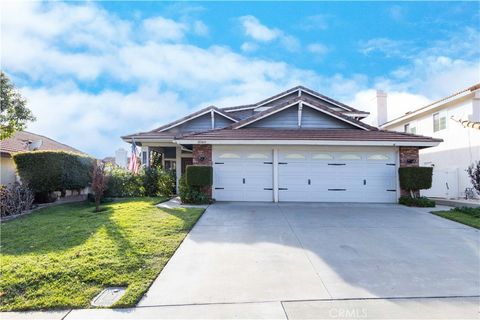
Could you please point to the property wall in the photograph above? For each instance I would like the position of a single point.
(311, 119)
(452, 157)
(7, 170)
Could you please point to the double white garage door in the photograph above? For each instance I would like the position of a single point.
(315, 174)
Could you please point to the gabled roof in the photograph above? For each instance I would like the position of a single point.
(194, 115)
(290, 91)
(433, 105)
(19, 142)
(307, 102)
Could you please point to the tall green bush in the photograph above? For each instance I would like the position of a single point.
(414, 179)
(199, 176)
(48, 171)
(123, 183)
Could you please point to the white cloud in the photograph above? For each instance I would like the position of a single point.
(257, 31)
(386, 46)
(200, 28)
(164, 29)
(249, 46)
(315, 22)
(318, 49)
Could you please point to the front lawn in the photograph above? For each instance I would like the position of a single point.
(468, 216)
(61, 257)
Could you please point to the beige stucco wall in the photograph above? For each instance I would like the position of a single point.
(7, 170)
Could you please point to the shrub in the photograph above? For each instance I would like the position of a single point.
(474, 173)
(191, 194)
(166, 183)
(15, 199)
(414, 179)
(150, 178)
(48, 171)
(416, 202)
(199, 176)
(123, 183)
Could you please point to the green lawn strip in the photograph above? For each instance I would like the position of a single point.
(62, 256)
(468, 216)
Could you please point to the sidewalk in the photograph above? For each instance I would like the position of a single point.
(402, 308)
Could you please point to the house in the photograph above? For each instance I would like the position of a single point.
(24, 141)
(298, 145)
(455, 119)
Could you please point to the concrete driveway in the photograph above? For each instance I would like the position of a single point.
(296, 252)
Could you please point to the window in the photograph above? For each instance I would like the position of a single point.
(257, 156)
(408, 128)
(229, 156)
(350, 157)
(322, 156)
(439, 121)
(295, 156)
(144, 157)
(377, 157)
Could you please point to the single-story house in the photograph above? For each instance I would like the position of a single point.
(24, 141)
(298, 145)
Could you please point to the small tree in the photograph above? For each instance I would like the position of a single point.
(474, 173)
(414, 179)
(14, 113)
(99, 183)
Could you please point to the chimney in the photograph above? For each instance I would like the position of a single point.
(381, 107)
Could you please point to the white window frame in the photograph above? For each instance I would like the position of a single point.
(440, 114)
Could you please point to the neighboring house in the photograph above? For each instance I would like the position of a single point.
(24, 141)
(298, 145)
(455, 119)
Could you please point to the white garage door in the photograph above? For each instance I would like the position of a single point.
(242, 174)
(316, 174)
(339, 176)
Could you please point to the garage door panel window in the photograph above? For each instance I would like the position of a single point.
(350, 156)
(229, 156)
(322, 156)
(258, 156)
(378, 157)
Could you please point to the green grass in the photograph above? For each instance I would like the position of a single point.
(61, 257)
(468, 216)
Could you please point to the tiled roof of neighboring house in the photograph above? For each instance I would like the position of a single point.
(308, 134)
(315, 103)
(439, 101)
(19, 142)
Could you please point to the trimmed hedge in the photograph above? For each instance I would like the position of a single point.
(48, 171)
(199, 176)
(415, 178)
(416, 202)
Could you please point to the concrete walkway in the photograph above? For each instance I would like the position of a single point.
(423, 308)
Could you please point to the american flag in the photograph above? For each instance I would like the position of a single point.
(133, 166)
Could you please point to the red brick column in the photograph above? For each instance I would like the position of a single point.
(408, 158)
(202, 156)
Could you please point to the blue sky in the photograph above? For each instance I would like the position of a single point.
(93, 71)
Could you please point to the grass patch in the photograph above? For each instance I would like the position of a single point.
(62, 256)
(468, 216)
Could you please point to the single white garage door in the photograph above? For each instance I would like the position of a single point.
(322, 175)
(243, 174)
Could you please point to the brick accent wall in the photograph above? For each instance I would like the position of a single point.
(408, 158)
(202, 156)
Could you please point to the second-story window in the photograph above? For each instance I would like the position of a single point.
(409, 128)
(439, 121)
